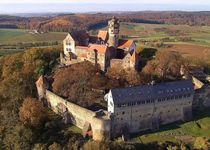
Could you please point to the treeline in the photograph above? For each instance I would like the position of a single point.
(68, 22)
(8, 26)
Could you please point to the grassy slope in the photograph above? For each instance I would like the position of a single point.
(200, 126)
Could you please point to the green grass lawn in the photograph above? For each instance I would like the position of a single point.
(200, 126)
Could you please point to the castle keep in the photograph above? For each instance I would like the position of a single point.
(101, 49)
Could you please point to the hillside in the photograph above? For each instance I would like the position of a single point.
(67, 22)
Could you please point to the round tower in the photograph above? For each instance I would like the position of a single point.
(114, 29)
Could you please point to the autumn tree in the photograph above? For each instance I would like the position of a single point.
(79, 83)
(166, 64)
(201, 143)
(32, 112)
(127, 77)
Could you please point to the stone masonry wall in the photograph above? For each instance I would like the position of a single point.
(79, 116)
(150, 116)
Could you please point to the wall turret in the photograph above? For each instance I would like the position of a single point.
(114, 29)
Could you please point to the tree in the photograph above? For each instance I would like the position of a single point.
(201, 143)
(165, 65)
(19, 137)
(81, 83)
(127, 77)
(55, 146)
(32, 112)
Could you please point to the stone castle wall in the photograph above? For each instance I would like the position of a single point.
(150, 116)
(202, 97)
(75, 114)
(79, 116)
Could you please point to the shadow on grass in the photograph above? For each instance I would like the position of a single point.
(198, 114)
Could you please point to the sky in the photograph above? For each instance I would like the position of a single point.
(68, 6)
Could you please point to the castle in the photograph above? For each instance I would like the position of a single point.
(106, 49)
(130, 109)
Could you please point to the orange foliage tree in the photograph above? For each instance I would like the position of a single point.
(32, 112)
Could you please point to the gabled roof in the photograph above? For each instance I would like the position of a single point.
(41, 81)
(79, 36)
(93, 39)
(100, 48)
(103, 35)
(123, 44)
(148, 92)
(197, 72)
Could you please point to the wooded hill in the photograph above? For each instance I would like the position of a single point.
(67, 22)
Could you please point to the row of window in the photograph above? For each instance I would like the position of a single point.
(153, 100)
(174, 90)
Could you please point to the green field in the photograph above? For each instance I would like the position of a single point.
(11, 36)
(16, 40)
(199, 35)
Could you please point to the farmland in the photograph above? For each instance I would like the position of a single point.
(199, 35)
(12, 36)
(15, 40)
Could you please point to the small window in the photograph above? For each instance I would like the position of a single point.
(118, 105)
(133, 103)
(123, 112)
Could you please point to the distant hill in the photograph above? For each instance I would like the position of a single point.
(67, 22)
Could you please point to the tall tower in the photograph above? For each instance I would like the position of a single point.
(114, 29)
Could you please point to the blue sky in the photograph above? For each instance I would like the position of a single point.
(36, 6)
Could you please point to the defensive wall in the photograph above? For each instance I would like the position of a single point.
(98, 123)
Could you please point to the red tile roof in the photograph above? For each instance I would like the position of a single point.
(124, 43)
(100, 48)
(103, 35)
(82, 47)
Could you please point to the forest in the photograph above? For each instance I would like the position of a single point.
(68, 22)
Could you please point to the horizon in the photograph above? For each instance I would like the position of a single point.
(81, 6)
